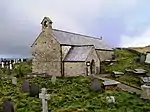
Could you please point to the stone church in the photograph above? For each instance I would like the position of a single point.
(63, 53)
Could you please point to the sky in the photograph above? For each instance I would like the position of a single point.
(121, 23)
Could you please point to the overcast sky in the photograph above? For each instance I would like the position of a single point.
(123, 23)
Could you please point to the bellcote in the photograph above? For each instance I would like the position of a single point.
(46, 23)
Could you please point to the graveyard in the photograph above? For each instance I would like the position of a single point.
(125, 63)
(66, 94)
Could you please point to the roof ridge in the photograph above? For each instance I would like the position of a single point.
(77, 34)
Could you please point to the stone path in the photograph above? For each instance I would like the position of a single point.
(121, 86)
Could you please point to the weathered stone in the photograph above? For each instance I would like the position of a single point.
(49, 52)
(8, 106)
(145, 92)
(110, 99)
(25, 86)
(34, 90)
(95, 85)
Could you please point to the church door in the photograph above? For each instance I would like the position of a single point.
(92, 66)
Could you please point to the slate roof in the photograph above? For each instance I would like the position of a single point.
(78, 53)
(68, 38)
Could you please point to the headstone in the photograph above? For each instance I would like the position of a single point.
(142, 59)
(8, 106)
(53, 79)
(147, 57)
(146, 80)
(34, 90)
(10, 66)
(44, 96)
(14, 61)
(25, 86)
(14, 80)
(28, 75)
(145, 92)
(22, 60)
(110, 99)
(2, 64)
(117, 74)
(129, 70)
(34, 75)
(95, 85)
(140, 72)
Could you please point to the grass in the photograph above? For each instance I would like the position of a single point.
(125, 60)
(71, 94)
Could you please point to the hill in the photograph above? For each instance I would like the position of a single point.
(126, 60)
(141, 49)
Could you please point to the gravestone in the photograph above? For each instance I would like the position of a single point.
(22, 60)
(142, 58)
(14, 80)
(10, 66)
(44, 96)
(95, 85)
(140, 72)
(145, 92)
(34, 75)
(117, 74)
(25, 86)
(34, 90)
(8, 106)
(2, 64)
(147, 57)
(53, 79)
(129, 71)
(14, 61)
(110, 99)
(146, 80)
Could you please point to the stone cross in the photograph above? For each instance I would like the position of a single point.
(14, 80)
(44, 96)
(53, 79)
(2, 64)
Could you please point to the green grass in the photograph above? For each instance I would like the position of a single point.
(125, 59)
(71, 94)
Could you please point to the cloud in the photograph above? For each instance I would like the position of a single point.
(20, 22)
(136, 41)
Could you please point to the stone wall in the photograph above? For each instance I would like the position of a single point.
(46, 54)
(65, 50)
(105, 55)
(74, 68)
(93, 55)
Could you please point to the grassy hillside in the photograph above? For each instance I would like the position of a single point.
(142, 49)
(125, 60)
(71, 95)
